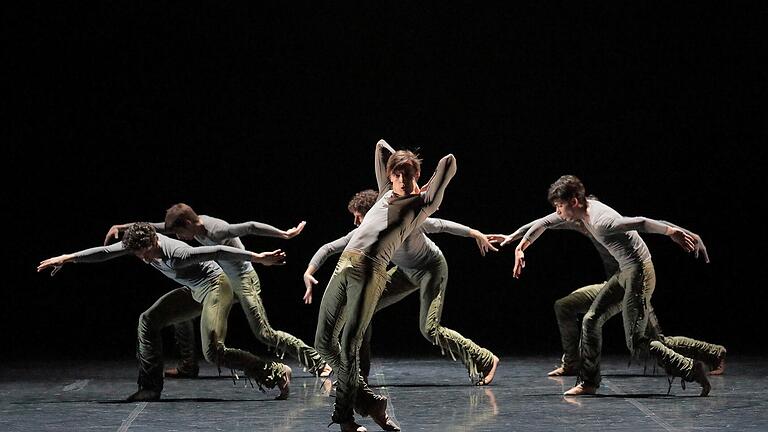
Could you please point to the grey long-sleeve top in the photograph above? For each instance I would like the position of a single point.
(617, 234)
(220, 232)
(416, 251)
(610, 265)
(193, 267)
(392, 218)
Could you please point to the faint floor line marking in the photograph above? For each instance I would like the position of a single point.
(616, 389)
(381, 381)
(77, 385)
(135, 413)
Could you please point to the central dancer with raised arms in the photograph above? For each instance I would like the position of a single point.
(353, 292)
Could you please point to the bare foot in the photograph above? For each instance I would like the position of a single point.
(283, 383)
(720, 368)
(488, 376)
(379, 415)
(326, 386)
(581, 390)
(352, 426)
(563, 371)
(326, 371)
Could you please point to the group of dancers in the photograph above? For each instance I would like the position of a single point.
(392, 225)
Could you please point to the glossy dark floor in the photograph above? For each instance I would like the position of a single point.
(424, 395)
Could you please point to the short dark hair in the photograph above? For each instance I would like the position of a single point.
(565, 188)
(179, 215)
(404, 160)
(363, 201)
(139, 235)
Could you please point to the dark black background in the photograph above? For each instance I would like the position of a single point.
(271, 113)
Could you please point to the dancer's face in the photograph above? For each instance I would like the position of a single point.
(569, 210)
(404, 181)
(148, 253)
(358, 217)
(184, 233)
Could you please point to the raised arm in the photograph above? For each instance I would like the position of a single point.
(318, 259)
(444, 172)
(383, 152)
(226, 231)
(115, 230)
(92, 255)
(435, 225)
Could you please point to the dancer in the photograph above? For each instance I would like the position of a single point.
(206, 292)
(421, 267)
(568, 308)
(360, 276)
(630, 289)
(181, 220)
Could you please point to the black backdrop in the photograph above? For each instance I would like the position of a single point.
(271, 114)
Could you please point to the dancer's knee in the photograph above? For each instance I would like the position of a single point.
(563, 307)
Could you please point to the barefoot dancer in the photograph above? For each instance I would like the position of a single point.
(353, 292)
(629, 290)
(568, 308)
(182, 220)
(421, 267)
(206, 293)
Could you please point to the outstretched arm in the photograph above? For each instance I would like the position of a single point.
(317, 261)
(646, 225)
(255, 228)
(383, 152)
(92, 255)
(435, 225)
(187, 256)
(114, 232)
(520, 232)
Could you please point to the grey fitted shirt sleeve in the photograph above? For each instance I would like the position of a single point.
(553, 221)
(638, 223)
(100, 253)
(329, 249)
(418, 250)
(219, 230)
(444, 172)
(538, 227)
(159, 227)
(435, 225)
(179, 262)
(194, 255)
(381, 156)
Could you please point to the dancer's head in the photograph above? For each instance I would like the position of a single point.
(568, 197)
(360, 203)
(403, 170)
(141, 240)
(182, 221)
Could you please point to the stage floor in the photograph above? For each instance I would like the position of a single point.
(426, 394)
